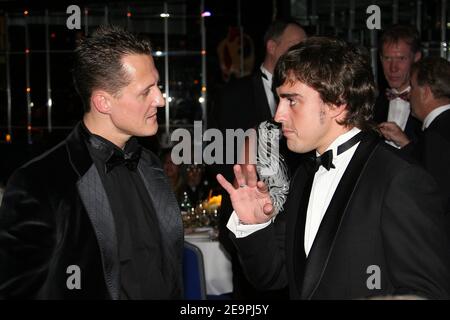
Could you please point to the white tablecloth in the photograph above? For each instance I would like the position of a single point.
(218, 272)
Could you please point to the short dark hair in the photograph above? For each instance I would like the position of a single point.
(98, 62)
(340, 72)
(277, 28)
(398, 32)
(435, 73)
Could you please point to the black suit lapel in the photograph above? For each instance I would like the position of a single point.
(166, 210)
(329, 227)
(96, 202)
(261, 102)
(296, 207)
(97, 206)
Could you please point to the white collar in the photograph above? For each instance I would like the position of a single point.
(400, 92)
(340, 140)
(433, 115)
(266, 73)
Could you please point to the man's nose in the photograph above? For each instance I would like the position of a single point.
(393, 66)
(279, 113)
(159, 100)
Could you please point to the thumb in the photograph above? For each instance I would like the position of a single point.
(268, 209)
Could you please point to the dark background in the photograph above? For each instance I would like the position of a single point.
(184, 54)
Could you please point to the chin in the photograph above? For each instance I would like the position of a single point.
(146, 131)
(295, 147)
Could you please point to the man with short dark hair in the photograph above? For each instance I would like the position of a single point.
(430, 103)
(94, 218)
(399, 49)
(360, 220)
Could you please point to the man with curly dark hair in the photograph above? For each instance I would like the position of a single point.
(361, 220)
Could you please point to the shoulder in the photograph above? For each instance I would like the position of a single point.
(440, 127)
(52, 164)
(393, 166)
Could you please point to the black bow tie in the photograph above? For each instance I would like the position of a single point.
(130, 160)
(326, 158)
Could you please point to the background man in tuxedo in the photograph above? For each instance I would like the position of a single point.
(430, 103)
(253, 100)
(400, 48)
(359, 212)
(97, 204)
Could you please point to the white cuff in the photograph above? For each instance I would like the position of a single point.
(242, 230)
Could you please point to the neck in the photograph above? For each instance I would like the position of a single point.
(402, 88)
(102, 126)
(269, 64)
(333, 135)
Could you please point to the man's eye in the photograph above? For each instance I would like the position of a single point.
(292, 102)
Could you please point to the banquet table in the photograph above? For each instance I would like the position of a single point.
(218, 272)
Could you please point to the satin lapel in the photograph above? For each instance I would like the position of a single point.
(261, 103)
(296, 208)
(166, 208)
(97, 206)
(95, 201)
(323, 243)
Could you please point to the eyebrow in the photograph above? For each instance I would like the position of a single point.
(289, 95)
(149, 86)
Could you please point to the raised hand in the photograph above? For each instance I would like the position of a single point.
(251, 200)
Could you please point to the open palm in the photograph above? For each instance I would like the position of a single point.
(251, 200)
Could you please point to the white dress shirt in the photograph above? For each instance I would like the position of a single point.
(399, 111)
(323, 188)
(324, 185)
(268, 89)
(433, 115)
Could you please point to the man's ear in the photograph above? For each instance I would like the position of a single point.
(100, 100)
(337, 111)
(417, 56)
(427, 94)
(271, 46)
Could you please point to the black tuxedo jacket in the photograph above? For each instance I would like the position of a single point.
(55, 213)
(384, 214)
(242, 104)
(381, 112)
(432, 150)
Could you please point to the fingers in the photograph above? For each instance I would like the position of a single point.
(225, 184)
(252, 178)
(240, 178)
(262, 187)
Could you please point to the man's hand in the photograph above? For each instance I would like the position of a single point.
(251, 200)
(392, 132)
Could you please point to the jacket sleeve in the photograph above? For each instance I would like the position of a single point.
(262, 255)
(26, 238)
(415, 233)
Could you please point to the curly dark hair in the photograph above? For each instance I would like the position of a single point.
(98, 62)
(339, 72)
